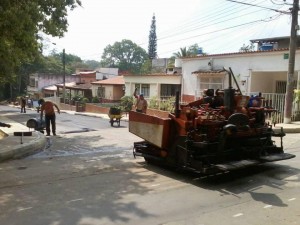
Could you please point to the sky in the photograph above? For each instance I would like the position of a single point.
(217, 26)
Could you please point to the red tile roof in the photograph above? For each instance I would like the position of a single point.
(118, 80)
(212, 72)
(154, 74)
(238, 53)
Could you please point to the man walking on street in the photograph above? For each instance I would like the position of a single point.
(23, 105)
(48, 107)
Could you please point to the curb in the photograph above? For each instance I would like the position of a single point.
(22, 150)
(287, 130)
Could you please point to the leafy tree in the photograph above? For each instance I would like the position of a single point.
(146, 67)
(92, 64)
(247, 48)
(182, 53)
(53, 64)
(193, 50)
(125, 55)
(152, 46)
(190, 51)
(22, 23)
(171, 61)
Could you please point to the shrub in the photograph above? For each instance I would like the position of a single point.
(165, 105)
(84, 100)
(127, 103)
(154, 103)
(95, 100)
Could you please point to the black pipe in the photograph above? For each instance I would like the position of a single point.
(177, 110)
(236, 83)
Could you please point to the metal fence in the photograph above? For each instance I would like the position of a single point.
(277, 101)
(274, 101)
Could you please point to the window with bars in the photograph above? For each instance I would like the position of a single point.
(32, 82)
(101, 92)
(280, 86)
(211, 83)
(143, 88)
(169, 89)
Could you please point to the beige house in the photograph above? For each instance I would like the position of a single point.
(109, 90)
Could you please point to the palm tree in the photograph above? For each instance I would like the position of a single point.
(183, 53)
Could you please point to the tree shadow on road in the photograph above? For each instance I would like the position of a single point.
(89, 189)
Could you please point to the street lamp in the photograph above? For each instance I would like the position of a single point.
(64, 77)
(64, 74)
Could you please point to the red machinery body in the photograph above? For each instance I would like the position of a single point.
(207, 137)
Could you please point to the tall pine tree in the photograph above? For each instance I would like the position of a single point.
(152, 47)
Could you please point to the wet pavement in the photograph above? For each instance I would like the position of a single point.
(14, 147)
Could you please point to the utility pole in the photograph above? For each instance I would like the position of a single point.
(290, 76)
(64, 77)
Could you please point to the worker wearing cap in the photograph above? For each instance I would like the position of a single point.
(141, 103)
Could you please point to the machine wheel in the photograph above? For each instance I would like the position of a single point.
(150, 160)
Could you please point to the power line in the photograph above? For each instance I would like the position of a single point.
(204, 25)
(244, 3)
(227, 28)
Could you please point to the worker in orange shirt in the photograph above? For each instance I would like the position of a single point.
(48, 107)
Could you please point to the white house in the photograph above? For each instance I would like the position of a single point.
(257, 71)
(161, 85)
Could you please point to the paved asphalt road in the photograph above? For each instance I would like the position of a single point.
(90, 178)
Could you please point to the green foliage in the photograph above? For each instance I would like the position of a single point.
(54, 63)
(92, 64)
(95, 100)
(296, 96)
(168, 105)
(85, 100)
(152, 46)
(193, 50)
(190, 51)
(171, 61)
(125, 55)
(146, 67)
(165, 105)
(247, 48)
(22, 23)
(183, 53)
(77, 98)
(154, 103)
(127, 103)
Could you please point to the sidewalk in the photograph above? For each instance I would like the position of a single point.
(13, 147)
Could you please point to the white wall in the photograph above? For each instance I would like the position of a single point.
(243, 66)
(153, 80)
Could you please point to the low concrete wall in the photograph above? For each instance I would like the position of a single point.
(63, 106)
(91, 108)
(96, 109)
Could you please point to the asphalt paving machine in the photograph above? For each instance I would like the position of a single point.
(222, 131)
